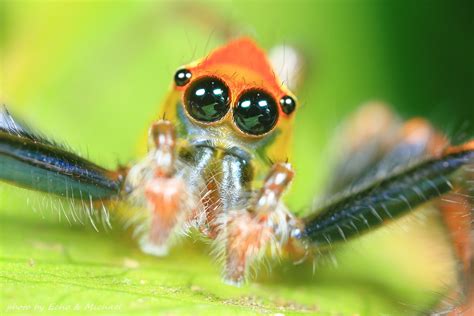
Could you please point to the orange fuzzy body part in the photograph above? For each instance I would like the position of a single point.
(242, 65)
(456, 213)
(245, 65)
(164, 196)
(247, 236)
(420, 131)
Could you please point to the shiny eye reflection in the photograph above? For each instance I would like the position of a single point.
(256, 112)
(207, 99)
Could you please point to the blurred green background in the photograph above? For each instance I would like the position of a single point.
(92, 74)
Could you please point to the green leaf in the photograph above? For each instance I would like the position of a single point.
(47, 263)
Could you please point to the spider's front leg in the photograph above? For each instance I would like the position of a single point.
(158, 186)
(164, 192)
(265, 226)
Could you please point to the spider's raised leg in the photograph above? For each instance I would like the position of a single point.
(374, 141)
(34, 162)
(372, 154)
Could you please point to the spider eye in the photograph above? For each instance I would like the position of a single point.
(207, 99)
(256, 112)
(288, 104)
(182, 77)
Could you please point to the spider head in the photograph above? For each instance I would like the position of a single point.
(233, 97)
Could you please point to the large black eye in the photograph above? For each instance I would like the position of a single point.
(207, 99)
(182, 77)
(256, 112)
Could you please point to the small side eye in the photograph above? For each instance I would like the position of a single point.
(256, 112)
(207, 99)
(288, 104)
(182, 77)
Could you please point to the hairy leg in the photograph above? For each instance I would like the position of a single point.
(167, 198)
(265, 226)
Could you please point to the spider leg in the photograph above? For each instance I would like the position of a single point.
(167, 199)
(34, 162)
(266, 225)
(371, 154)
(388, 143)
(382, 200)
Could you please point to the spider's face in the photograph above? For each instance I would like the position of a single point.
(233, 98)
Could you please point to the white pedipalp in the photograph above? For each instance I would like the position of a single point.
(140, 180)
